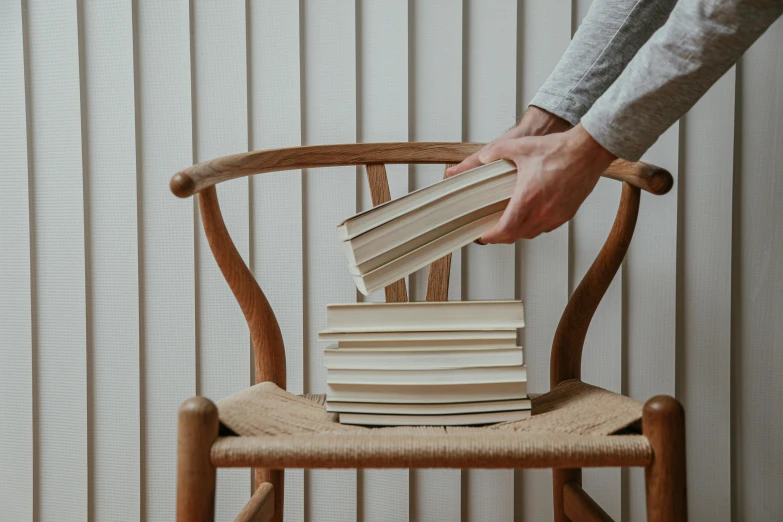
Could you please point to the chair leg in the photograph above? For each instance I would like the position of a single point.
(663, 423)
(560, 477)
(276, 477)
(196, 476)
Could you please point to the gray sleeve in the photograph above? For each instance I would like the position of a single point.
(607, 39)
(697, 45)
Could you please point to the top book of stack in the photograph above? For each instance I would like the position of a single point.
(394, 239)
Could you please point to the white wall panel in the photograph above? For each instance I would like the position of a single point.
(58, 283)
(166, 232)
(219, 65)
(276, 198)
(113, 312)
(649, 316)
(382, 109)
(435, 115)
(329, 116)
(704, 351)
(16, 348)
(542, 271)
(489, 98)
(109, 135)
(757, 341)
(602, 356)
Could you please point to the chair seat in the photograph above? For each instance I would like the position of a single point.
(574, 425)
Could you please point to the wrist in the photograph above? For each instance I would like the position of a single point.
(583, 142)
(539, 122)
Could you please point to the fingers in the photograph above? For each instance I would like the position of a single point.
(471, 162)
(501, 149)
(515, 216)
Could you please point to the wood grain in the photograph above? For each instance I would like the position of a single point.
(579, 507)
(264, 330)
(380, 193)
(663, 423)
(261, 507)
(208, 173)
(196, 475)
(566, 357)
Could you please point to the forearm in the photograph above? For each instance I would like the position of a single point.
(610, 35)
(697, 45)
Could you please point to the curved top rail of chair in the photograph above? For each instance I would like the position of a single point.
(208, 173)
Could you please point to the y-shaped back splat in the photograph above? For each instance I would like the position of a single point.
(438, 278)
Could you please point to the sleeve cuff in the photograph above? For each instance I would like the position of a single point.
(560, 106)
(612, 137)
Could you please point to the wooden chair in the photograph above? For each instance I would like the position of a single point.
(659, 448)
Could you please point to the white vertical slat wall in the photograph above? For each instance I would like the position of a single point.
(167, 273)
(435, 87)
(220, 121)
(276, 199)
(328, 65)
(112, 311)
(382, 115)
(543, 33)
(59, 329)
(489, 101)
(16, 332)
(112, 255)
(603, 355)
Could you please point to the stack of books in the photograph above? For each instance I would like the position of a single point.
(392, 240)
(425, 364)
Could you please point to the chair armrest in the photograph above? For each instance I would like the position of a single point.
(196, 178)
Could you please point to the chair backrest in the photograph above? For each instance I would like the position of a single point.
(265, 332)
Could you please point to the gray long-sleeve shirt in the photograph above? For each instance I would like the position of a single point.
(635, 67)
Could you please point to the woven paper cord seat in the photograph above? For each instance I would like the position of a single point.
(575, 423)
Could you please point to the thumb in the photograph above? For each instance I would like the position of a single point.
(501, 149)
(471, 162)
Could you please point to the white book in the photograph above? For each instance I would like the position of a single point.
(497, 337)
(426, 394)
(424, 255)
(491, 374)
(446, 344)
(402, 359)
(424, 316)
(428, 409)
(378, 215)
(423, 225)
(467, 419)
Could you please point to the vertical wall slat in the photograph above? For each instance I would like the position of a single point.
(16, 345)
(329, 110)
(220, 127)
(435, 61)
(757, 342)
(542, 277)
(59, 301)
(489, 98)
(382, 60)
(705, 329)
(602, 357)
(649, 297)
(166, 230)
(276, 198)
(109, 136)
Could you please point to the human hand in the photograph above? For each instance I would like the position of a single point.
(535, 122)
(555, 174)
